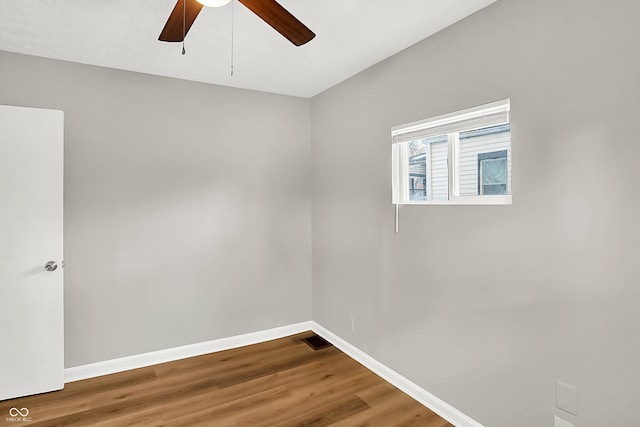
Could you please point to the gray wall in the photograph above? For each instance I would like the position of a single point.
(486, 306)
(187, 211)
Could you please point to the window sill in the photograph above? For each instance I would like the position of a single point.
(466, 200)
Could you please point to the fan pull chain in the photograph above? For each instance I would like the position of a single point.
(184, 31)
(232, 37)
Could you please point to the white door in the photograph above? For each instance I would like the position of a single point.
(31, 294)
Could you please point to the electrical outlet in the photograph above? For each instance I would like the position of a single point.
(559, 422)
(351, 322)
(566, 398)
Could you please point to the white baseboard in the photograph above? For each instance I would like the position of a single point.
(121, 364)
(435, 404)
(161, 356)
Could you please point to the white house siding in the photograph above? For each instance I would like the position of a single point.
(439, 175)
(469, 150)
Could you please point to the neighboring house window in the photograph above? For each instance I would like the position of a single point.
(492, 173)
(457, 158)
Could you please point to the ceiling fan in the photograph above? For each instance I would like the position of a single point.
(270, 11)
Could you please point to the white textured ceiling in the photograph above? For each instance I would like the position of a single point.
(351, 35)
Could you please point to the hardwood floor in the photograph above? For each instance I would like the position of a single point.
(277, 383)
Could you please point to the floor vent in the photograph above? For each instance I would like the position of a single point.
(316, 342)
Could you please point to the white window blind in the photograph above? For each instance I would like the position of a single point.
(493, 114)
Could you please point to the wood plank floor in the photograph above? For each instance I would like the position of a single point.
(277, 383)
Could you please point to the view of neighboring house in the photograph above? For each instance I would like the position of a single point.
(485, 164)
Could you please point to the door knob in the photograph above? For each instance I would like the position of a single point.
(50, 266)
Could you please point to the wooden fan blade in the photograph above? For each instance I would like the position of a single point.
(175, 29)
(281, 20)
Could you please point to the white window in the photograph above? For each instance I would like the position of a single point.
(458, 158)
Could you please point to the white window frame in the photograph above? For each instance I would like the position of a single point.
(451, 125)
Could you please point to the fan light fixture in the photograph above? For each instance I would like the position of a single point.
(280, 19)
(214, 3)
